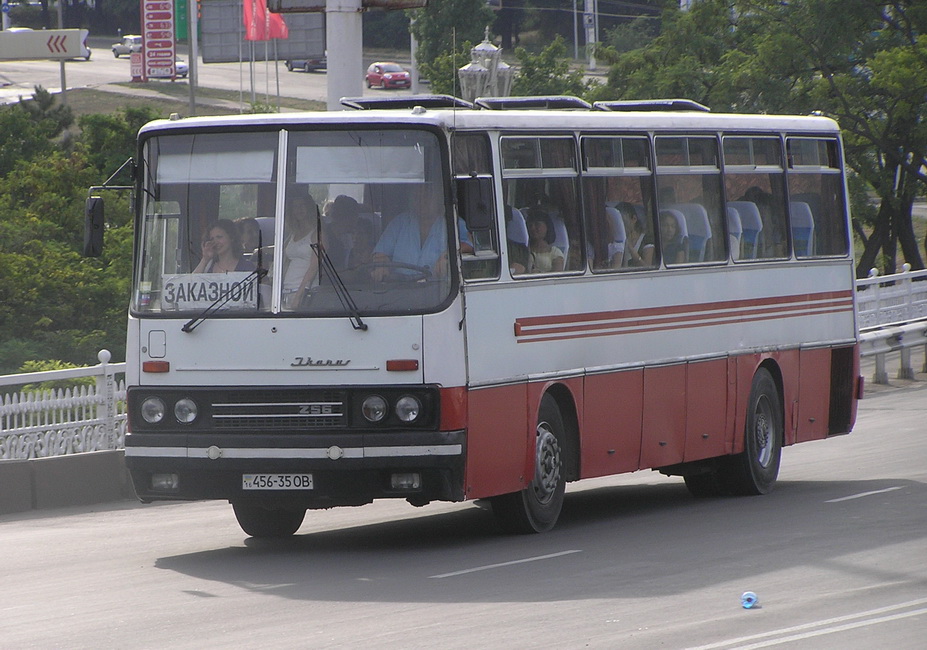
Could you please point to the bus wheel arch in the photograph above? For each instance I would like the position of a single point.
(536, 508)
(755, 469)
(570, 417)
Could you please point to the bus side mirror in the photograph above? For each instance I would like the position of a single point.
(475, 202)
(93, 226)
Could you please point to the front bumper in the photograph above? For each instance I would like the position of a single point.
(347, 468)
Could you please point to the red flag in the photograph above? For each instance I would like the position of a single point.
(260, 24)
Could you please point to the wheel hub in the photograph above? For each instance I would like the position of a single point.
(547, 467)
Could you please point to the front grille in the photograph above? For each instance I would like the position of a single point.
(280, 410)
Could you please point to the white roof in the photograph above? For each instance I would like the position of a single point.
(514, 120)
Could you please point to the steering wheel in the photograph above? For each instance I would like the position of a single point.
(418, 272)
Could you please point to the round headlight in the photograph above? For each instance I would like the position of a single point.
(153, 410)
(374, 408)
(185, 410)
(408, 408)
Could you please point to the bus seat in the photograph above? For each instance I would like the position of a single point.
(734, 230)
(619, 236)
(802, 228)
(752, 225)
(266, 224)
(698, 227)
(516, 230)
(562, 239)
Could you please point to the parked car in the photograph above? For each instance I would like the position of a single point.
(306, 65)
(387, 74)
(128, 44)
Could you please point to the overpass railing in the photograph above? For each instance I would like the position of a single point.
(892, 316)
(38, 422)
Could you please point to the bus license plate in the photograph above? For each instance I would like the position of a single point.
(276, 481)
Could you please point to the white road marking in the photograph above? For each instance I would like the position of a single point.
(863, 494)
(827, 626)
(502, 564)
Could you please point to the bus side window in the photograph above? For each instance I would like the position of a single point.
(689, 182)
(540, 177)
(816, 209)
(754, 181)
(472, 163)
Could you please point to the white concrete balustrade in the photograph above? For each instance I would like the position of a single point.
(36, 423)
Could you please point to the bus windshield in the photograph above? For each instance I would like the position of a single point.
(312, 223)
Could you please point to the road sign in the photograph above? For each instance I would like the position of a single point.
(44, 44)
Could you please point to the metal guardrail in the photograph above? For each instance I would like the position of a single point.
(892, 317)
(37, 423)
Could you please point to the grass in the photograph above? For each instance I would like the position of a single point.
(175, 98)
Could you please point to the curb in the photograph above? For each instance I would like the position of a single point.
(61, 481)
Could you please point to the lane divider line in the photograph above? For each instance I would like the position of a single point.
(504, 564)
(863, 494)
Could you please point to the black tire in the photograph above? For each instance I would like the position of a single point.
(754, 471)
(537, 508)
(266, 522)
(115, 54)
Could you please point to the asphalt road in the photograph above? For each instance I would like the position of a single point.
(19, 78)
(836, 555)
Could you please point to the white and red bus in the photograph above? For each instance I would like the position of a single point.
(612, 288)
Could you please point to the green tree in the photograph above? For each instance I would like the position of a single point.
(441, 72)
(59, 305)
(440, 25)
(548, 73)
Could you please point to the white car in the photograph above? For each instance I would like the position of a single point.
(128, 44)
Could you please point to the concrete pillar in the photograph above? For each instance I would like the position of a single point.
(344, 37)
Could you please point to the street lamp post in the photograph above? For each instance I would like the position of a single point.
(486, 74)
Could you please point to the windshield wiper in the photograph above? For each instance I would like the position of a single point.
(340, 290)
(217, 304)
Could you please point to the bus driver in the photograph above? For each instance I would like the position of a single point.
(417, 237)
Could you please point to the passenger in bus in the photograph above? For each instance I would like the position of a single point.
(299, 263)
(221, 249)
(671, 239)
(418, 237)
(544, 256)
(638, 250)
(250, 234)
(348, 239)
(516, 237)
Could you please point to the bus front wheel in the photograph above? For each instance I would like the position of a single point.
(536, 508)
(266, 522)
(754, 471)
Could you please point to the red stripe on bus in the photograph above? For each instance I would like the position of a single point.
(578, 334)
(680, 317)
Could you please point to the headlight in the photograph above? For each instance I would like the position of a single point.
(153, 410)
(185, 410)
(408, 408)
(374, 408)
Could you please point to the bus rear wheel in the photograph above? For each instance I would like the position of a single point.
(754, 471)
(536, 508)
(267, 522)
